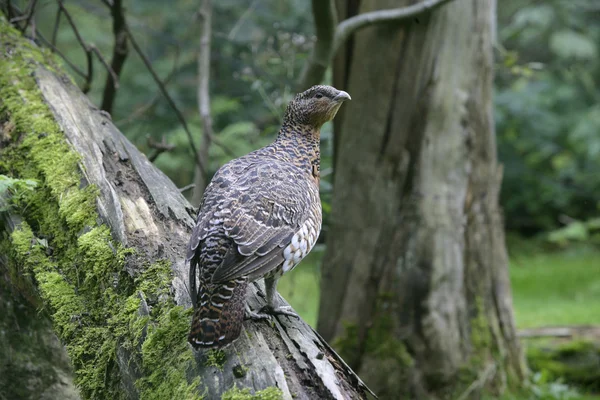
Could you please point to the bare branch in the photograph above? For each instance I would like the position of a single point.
(186, 187)
(240, 21)
(30, 12)
(152, 102)
(168, 97)
(159, 147)
(200, 178)
(88, 54)
(55, 49)
(56, 25)
(119, 53)
(9, 10)
(325, 16)
(115, 78)
(326, 46)
(351, 25)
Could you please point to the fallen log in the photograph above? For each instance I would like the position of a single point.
(100, 242)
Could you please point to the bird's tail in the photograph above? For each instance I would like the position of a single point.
(219, 314)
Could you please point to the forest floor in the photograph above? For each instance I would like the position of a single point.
(555, 288)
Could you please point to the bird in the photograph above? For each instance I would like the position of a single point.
(259, 216)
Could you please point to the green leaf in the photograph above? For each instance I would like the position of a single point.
(572, 45)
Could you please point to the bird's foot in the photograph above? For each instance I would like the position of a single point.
(256, 316)
(281, 310)
(267, 312)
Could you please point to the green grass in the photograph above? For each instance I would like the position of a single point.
(556, 288)
(549, 288)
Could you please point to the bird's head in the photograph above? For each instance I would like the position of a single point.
(315, 106)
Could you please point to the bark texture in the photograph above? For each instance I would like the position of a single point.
(416, 271)
(100, 243)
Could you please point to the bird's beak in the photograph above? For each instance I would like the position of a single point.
(342, 96)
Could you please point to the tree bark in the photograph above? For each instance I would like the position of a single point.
(416, 271)
(101, 246)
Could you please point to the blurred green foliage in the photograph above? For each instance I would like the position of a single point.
(547, 102)
(257, 51)
(548, 114)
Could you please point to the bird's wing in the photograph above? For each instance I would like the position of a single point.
(264, 208)
(218, 193)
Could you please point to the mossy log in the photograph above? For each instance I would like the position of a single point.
(98, 246)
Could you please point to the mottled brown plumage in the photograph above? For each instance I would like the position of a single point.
(260, 215)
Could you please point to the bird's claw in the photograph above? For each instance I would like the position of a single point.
(267, 312)
(281, 310)
(256, 316)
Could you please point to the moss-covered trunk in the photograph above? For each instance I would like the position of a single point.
(416, 273)
(98, 247)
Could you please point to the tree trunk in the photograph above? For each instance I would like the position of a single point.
(416, 271)
(100, 245)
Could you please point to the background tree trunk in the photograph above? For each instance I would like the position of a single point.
(101, 243)
(416, 271)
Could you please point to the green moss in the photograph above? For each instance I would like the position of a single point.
(95, 305)
(481, 337)
(165, 378)
(60, 296)
(239, 371)
(216, 358)
(271, 393)
(576, 362)
(347, 343)
(380, 341)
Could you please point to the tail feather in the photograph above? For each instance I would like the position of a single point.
(219, 314)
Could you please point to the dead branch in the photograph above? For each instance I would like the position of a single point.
(351, 25)
(30, 12)
(120, 51)
(138, 112)
(159, 147)
(560, 332)
(167, 96)
(200, 178)
(325, 16)
(325, 47)
(55, 49)
(88, 54)
(56, 25)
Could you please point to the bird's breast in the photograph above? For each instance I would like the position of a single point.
(302, 243)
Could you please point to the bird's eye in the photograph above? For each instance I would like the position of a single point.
(318, 95)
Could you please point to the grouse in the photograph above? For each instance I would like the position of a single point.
(260, 215)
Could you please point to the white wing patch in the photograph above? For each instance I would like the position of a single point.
(302, 243)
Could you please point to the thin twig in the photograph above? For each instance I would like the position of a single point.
(187, 187)
(351, 25)
(88, 54)
(480, 382)
(138, 112)
(168, 97)
(115, 78)
(30, 12)
(159, 147)
(326, 48)
(56, 25)
(240, 21)
(55, 49)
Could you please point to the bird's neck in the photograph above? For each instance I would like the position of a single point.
(301, 144)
